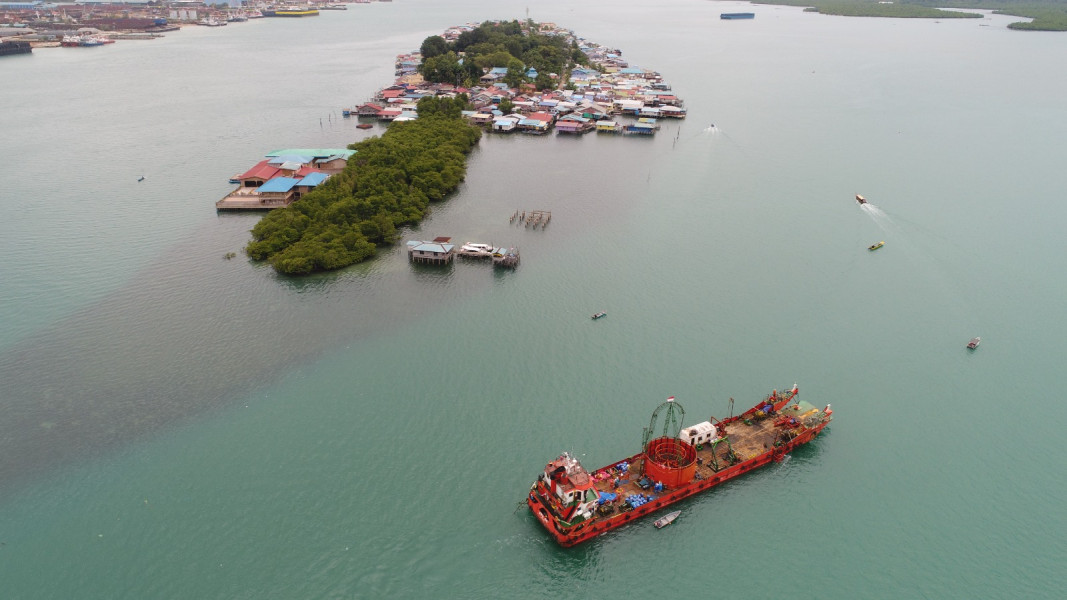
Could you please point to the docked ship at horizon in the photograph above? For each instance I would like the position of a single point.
(575, 505)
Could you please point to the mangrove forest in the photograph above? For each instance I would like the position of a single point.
(1046, 15)
(388, 183)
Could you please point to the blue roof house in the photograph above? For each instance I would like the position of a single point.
(279, 191)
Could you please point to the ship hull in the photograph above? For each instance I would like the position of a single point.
(568, 536)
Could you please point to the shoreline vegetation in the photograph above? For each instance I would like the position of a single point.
(391, 180)
(388, 183)
(1047, 15)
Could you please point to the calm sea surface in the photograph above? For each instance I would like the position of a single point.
(177, 425)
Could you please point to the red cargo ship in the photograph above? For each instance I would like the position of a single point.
(575, 505)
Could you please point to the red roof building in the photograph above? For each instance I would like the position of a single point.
(540, 116)
(258, 175)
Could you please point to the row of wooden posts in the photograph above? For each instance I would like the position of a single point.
(533, 218)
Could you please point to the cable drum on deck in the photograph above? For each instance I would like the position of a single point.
(670, 461)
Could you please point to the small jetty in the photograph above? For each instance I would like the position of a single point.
(438, 251)
(508, 258)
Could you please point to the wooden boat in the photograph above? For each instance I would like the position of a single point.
(971, 345)
(861, 199)
(575, 505)
(364, 125)
(599, 315)
(667, 519)
(876, 246)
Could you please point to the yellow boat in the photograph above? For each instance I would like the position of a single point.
(876, 246)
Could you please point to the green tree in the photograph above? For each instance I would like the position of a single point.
(444, 68)
(388, 183)
(515, 76)
(432, 46)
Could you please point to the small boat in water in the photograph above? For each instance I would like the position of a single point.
(667, 519)
(861, 199)
(971, 345)
(876, 246)
(599, 315)
(141, 178)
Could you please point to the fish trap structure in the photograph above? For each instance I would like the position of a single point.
(532, 219)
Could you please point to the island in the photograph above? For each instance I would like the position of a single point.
(514, 77)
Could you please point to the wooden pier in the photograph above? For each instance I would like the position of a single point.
(508, 258)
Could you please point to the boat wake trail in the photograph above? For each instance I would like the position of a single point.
(882, 220)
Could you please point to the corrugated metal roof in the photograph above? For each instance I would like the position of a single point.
(299, 159)
(431, 247)
(313, 179)
(278, 184)
(262, 170)
(314, 152)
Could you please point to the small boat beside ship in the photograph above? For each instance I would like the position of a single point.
(875, 246)
(667, 519)
(575, 505)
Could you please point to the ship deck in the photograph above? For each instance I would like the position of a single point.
(748, 438)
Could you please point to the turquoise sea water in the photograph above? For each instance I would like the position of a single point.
(178, 425)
